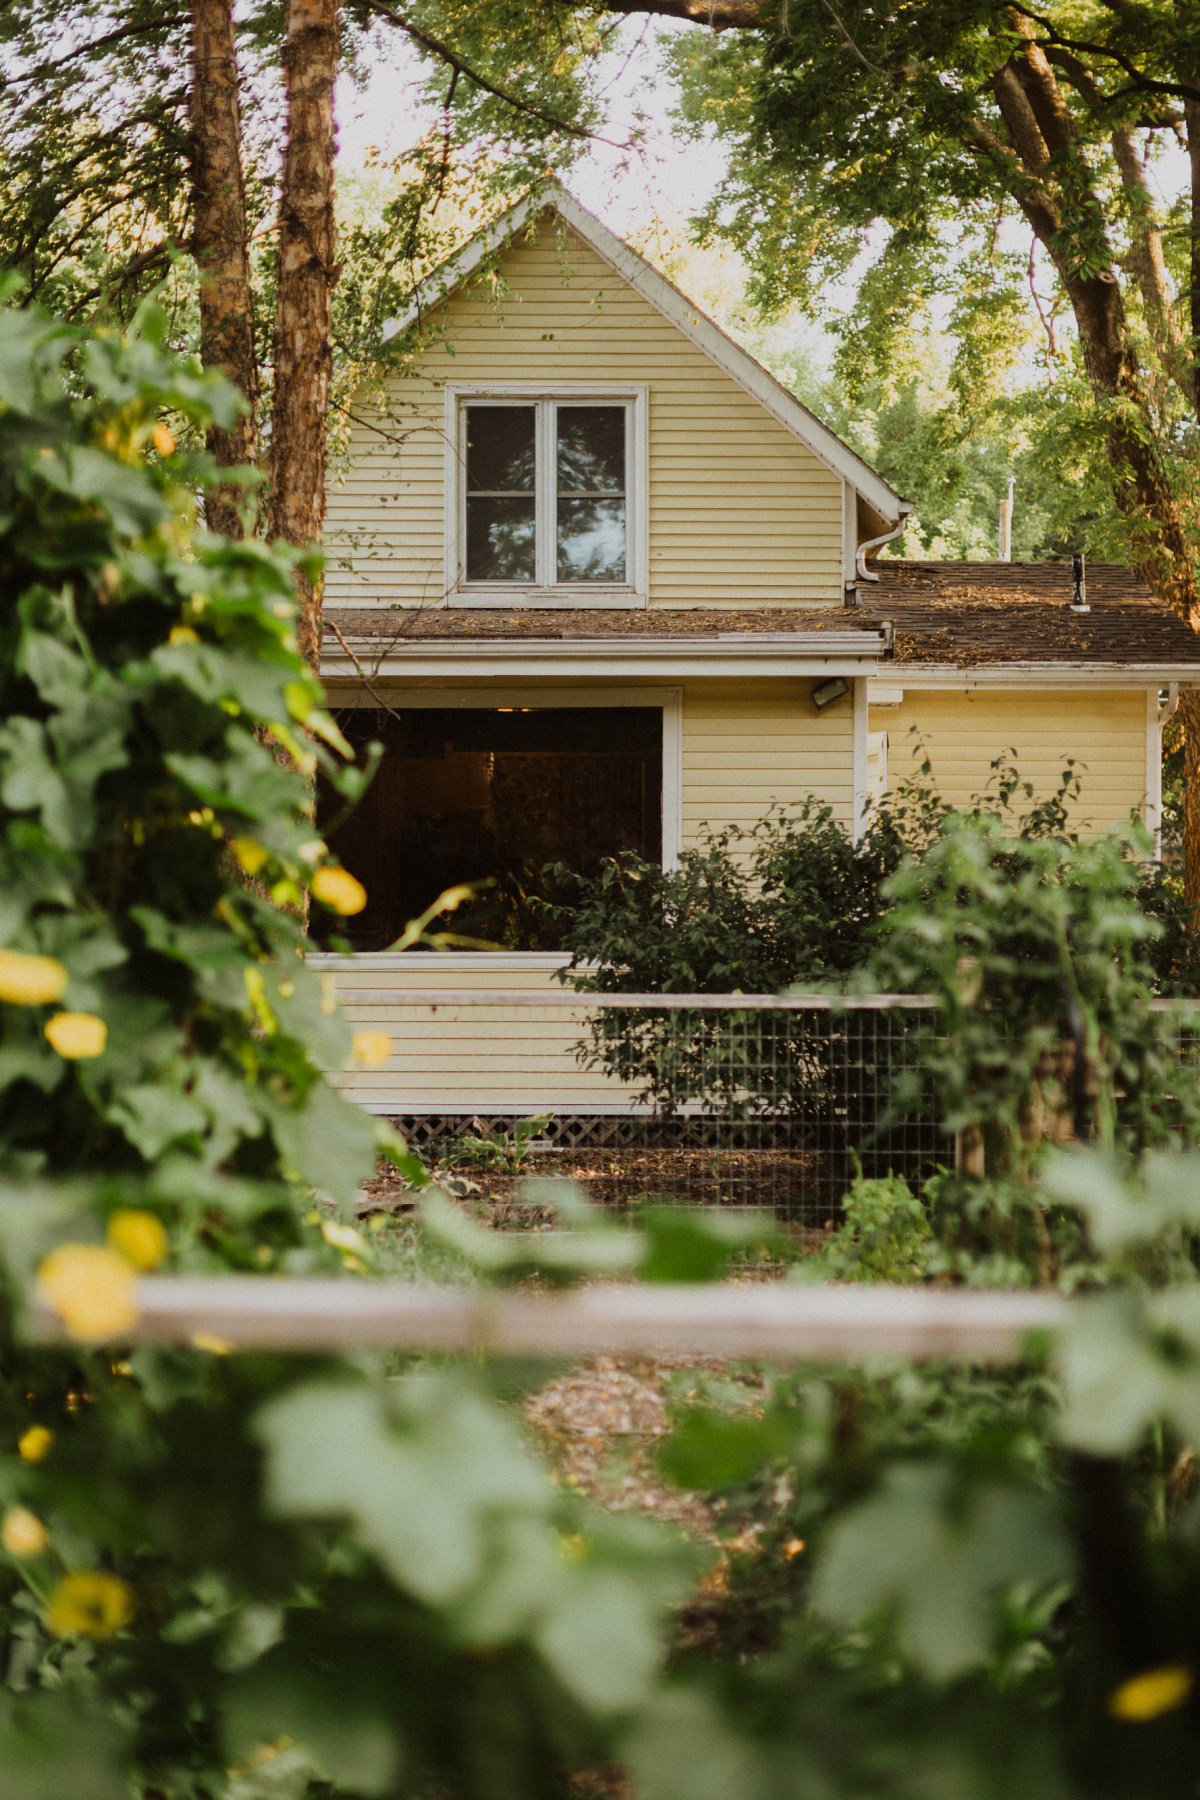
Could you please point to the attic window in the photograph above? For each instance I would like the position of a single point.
(548, 510)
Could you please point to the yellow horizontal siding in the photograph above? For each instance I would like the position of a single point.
(747, 745)
(737, 508)
(1104, 731)
(518, 1060)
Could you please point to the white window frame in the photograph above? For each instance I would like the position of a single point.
(634, 591)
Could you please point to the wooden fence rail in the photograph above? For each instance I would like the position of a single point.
(780, 1322)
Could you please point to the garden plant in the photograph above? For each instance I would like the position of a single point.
(233, 1576)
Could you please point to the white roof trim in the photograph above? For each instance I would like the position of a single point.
(804, 653)
(917, 677)
(681, 312)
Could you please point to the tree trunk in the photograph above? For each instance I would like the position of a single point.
(1192, 124)
(219, 242)
(305, 275)
(1147, 265)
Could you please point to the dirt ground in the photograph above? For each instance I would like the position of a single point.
(790, 1183)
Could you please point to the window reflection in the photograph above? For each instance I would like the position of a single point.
(501, 504)
(591, 449)
(466, 794)
(590, 526)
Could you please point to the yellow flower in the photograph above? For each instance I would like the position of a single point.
(183, 634)
(34, 1445)
(339, 890)
(370, 1049)
(216, 1346)
(139, 1237)
(77, 1035)
(23, 1533)
(164, 441)
(91, 1288)
(250, 855)
(1152, 1693)
(342, 1237)
(90, 1603)
(30, 980)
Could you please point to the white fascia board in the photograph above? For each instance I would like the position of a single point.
(454, 271)
(816, 653)
(681, 312)
(914, 677)
(436, 962)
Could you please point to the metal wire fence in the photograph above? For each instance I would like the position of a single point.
(729, 1100)
(690, 1099)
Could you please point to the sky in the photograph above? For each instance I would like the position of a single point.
(669, 181)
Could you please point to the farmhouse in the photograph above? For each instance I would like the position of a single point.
(596, 580)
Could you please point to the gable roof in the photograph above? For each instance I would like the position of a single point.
(679, 311)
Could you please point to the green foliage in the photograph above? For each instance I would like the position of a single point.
(1041, 949)
(145, 670)
(667, 1243)
(879, 1556)
(1033, 947)
(884, 1235)
(889, 203)
(312, 1573)
(501, 1152)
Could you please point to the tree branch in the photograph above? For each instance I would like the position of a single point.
(451, 57)
(1043, 93)
(720, 15)
(1178, 90)
(138, 266)
(112, 37)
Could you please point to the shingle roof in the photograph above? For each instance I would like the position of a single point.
(963, 613)
(378, 626)
(971, 612)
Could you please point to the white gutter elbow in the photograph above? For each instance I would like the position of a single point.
(864, 574)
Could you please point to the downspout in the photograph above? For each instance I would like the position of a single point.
(864, 574)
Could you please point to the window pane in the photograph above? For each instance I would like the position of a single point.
(591, 449)
(591, 540)
(501, 542)
(501, 455)
(467, 794)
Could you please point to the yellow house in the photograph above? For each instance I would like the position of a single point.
(596, 579)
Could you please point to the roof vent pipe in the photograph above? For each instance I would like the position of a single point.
(864, 550)
(1006, 511)
(1079, 599)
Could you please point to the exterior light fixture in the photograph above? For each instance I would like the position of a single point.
(826, 692)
